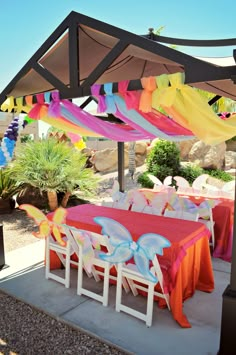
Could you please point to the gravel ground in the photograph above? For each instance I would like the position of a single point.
(17, 230)
(23, 329)
(26, 331)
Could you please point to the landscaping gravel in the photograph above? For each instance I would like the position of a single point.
(27, 331)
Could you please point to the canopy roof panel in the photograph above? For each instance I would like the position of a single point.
(83, 51)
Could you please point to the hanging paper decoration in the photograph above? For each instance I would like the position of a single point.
(10, 137)
(8, 142)
(77, 140)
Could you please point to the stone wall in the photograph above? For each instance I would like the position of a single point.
(194, 151)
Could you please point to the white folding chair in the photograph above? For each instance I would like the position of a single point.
(157, 183)
(209, 223)
(181, 182)
(91, 263)
(131, 273)
(200, 181)
(64, 253)
(182, 215)
(229, 186)
(143, 251)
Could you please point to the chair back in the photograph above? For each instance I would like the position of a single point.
(182, 215)
(85, 243)
(229, 186)
(181, 182)
(200, 181)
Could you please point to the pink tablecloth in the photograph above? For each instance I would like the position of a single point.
(223, 215)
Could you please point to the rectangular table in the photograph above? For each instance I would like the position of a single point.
(223, 215)
(186, 265)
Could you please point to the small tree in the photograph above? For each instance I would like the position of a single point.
(53, 167)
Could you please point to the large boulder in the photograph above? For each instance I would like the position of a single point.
(230, 160)
(207, 156)
(185, 147)
(106, 160)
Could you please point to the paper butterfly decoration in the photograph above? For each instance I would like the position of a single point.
(137, 200)
(175, 202)
(144, 250)
(89, 243)
(202, 209)
(46, 227)
(120, 199)
(157, 204)
(140, 203)
(115, 191)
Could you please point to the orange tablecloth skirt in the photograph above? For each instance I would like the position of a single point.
(194, 273)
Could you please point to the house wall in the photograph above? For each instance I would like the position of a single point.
(5, 120)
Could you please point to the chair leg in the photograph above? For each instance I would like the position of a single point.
(106, 284)
(213, 236)
(118, 288)
(150, 300)
(67, 270)
(80, 276)
(47, 259)
(132, 287)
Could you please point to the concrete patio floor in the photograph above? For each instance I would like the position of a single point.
(24, 278)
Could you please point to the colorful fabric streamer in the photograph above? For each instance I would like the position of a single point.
(186, 106)
(115, 104)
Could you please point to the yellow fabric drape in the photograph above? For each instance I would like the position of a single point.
(186, 106)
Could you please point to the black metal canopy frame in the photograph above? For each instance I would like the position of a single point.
(83, 51)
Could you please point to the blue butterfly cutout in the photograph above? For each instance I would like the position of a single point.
(144, 250)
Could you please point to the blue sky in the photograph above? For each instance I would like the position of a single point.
(26, 24)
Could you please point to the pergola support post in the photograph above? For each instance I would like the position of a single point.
(2, 252)
(228, 317)
(121, 165)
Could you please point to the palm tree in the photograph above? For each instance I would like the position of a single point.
(132, 163)
(53, 166)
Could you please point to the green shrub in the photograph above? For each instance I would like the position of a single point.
(191, 172)
(144, 180)
(164, 159)
(219, 174)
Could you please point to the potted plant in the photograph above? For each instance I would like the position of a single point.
(54, 167)
(8, 189)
